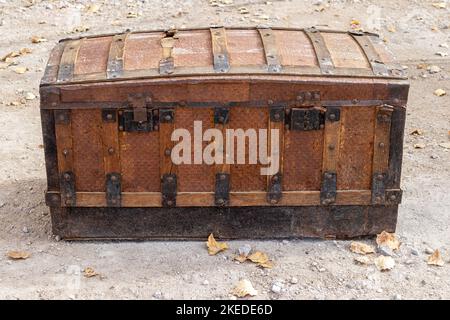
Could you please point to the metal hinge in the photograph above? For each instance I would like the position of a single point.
(222, 192)
(169, 190)
(113, 189)
(275, 191)
(328, 189)
(68, 193)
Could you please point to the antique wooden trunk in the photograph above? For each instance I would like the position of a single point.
(326, 111)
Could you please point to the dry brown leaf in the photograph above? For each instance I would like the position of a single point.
(215, 247)
(244, 288)
(388, 239)
(20, 70)
(361, 248)
(93, 8)
(384, 263)
(18, 255)
(440, 92)
(435, 259)
(363, 260)
(24, 51)
(89, 272)
(417, 132)
(439, 5)
(392, 29)
(241, 258)
(261, 259)
(37, 39)
(419, 146)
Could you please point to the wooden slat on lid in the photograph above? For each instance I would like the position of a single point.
(344, 51)
(114, 67)
(68, 58)
(92, 56)
(220, 50)
(270, 49)
(245, 48)
(322, 53)
(378, 67)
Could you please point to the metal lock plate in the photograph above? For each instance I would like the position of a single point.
(306, 119)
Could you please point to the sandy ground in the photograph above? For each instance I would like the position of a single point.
(414, 30)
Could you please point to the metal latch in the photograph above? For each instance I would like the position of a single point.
(139, 117)
(306, 119)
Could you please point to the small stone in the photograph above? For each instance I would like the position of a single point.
(294, 280)
(29, 96)
(2, 204)
(380, 290)
(414, 251)
(428, 250)
(322, 269)
(385, 251)
(442, 54)
(158, 295)
(433, 156)
(276, 287)
(443, 45)
(409, 262)
(397, 297)
(285, 242)
(25, 230)
(245, 250)
(205, 282)
(57, 238)
(434, 69)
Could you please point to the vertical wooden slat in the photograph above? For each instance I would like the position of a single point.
(381, 146)
(222, 170)
(115, 63)
(111, 154)
(330, 158)
(68, 60)
(167, 168)
(220, 50)
(64, 147)
(270, 49)
(323, 55)
(275, 181)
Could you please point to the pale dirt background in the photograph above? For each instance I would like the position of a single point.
(148, 270)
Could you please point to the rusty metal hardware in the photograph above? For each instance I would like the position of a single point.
(333, 114)
(169, 190)
(306, 119)
(53, 199)
(128, 124)
(379, 188)
(221, 115)
(113, 189)
(109, 115)
(277, 114)
(274, 193)
(323, 55)
(393, 196)
(328, 188)
(270, 49)
(68, 193)
(166, 115)
(308, 98)
(222, 191)
(62, 117)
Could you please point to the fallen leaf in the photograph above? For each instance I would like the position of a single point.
(131, 15)
(355, 22)
(361, 248)
(384, 263)
(363, 260)
(439, 5)
(417, 132)
(388, 239)
(89, 272)
(445, 145)
(392, 29)
(215, 247)
(241, 258)
(36, 39)
(435, 259)
(440, 92)
(261, 259)
(20, 70)
(93, 8)
(419, 146)
(244, 288)
(18, 255)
